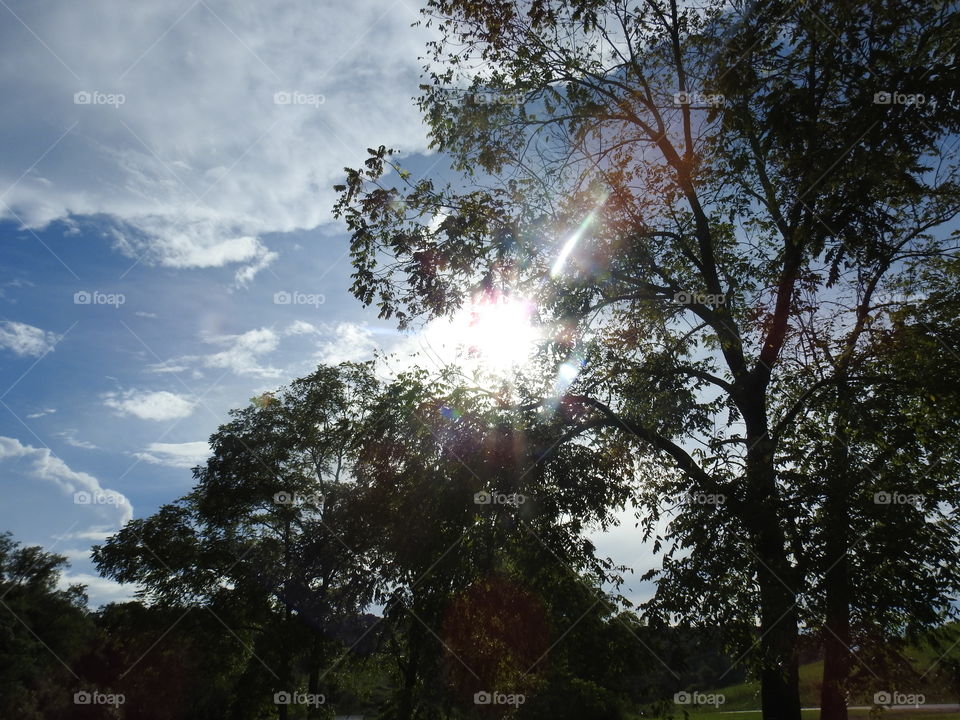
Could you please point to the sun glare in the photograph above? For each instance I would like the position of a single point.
(498, 333)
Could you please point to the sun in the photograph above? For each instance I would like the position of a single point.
(494, 332)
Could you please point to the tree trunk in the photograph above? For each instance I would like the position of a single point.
(836, 640)
(408, 700)
(836, 626)
(779, 643)
(285, 669)
(779, 618)
(313, 681)
(285, 675)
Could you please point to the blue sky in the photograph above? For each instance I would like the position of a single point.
(127, 387)
(166, 171)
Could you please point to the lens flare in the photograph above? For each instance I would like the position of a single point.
(568, 247)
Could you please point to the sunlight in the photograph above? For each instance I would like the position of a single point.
(497, 332)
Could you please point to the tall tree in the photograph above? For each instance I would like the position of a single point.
(268, 538)
(665, 182)
(494, 570)
(874, 468)
(43, 632)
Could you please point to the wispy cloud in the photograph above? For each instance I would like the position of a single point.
(40, 464)
(41, 413)
(71, 439)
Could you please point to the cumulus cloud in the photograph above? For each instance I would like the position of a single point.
(178, 455)
(194, 133)
(26, 340)
(146, 405)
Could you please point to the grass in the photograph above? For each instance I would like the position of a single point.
(911, 714)
(743, 700)
(746, 695)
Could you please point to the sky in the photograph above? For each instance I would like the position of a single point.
(167, 248)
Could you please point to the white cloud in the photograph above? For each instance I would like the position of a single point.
(346, 342)
(199, 162)
(41, 413)
(622, 544)
(244, 275)
(178, 455)
(301, 327)
(242, 352)
(43, 470)
(15, 283)
(26, 340)
(168, 366)
(71, 439)
(146, 405)
(100, 591)
(259, 352)
(40, 491)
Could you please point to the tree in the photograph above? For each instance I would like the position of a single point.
(874, 468)
(43, 631)
(268, 539)
(168, 663)
(417, 493)
(670, 185)
(480, 551)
